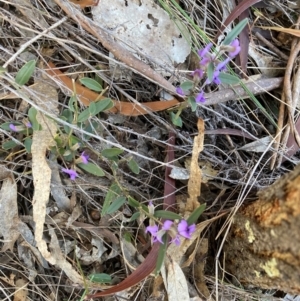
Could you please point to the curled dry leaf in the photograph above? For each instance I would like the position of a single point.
(9, 218)
(177, 287)
(41, 141)
(194, 184)
(21, 290)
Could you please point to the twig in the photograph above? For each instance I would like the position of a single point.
(27, 44)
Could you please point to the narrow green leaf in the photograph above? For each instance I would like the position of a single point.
(235, 32)
(161, 254)
(92, 169)
(186, 86)
(228, 79)
(100, 278)
(167, 215)
(210, 71)
(134, 167)
(68, 114)
(28, 143)
(111, 152)
(9, 144)
(133, 203)
(25, 73)
(113, 193)
(192, 102)
(195, 214)
(91, 84)
(84, 115)
(135, 216)
(116, 204)
(32, 112)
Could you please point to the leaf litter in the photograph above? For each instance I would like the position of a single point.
(69, 238)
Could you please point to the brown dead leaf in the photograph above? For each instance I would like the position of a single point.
(9, 218)
(41, 141)
(194, 184)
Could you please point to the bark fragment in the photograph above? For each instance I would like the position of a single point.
(263, 246)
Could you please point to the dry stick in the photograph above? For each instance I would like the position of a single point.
(116, 49)
(278, 133)
(271, 46)
(288, 90)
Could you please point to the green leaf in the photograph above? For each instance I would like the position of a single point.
(192, 103)
(186, 86)
(5, 125)
(210, 71)
(111, 152)
(167, 215)
(25, 73)
(116, 204)
(161, 254)
(134, 203)
(71, 103)
(176, 120)
(91, 84)
(100, 278)
(92, 108)
(102, 105)
(135, 216)
(228, 79)
(134, 167)
(9, 144)
(92, 169)
(235, 32)
(113, 193)
(68, 114)
(28, 143)
(32, 112)
(84, 115)
(195, 214)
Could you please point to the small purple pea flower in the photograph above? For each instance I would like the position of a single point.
(71, 172)
(222, 65)
(28, 125)
(197, 74)
(200, 97)
(202, 52)
(180, 91)
(185, 230)
(84, 158)
(13, 127)
(235, 48)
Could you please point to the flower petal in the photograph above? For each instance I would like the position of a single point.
(182, 226)
(152, 230)
(167, 225)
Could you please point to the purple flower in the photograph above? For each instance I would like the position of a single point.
(13, 127)
(84, 158)
(71, 172)
(176, 240)
(152, 230)
(167, 225)
(235, 48)
(198, 73)
(222, 65)
(179, 91)
(202, 52)
(185, 230)
(200, 97)
(28, 124)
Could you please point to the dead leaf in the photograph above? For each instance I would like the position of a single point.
(194, 184)
(86, 96)
(9, 218)
(42, 140)
(176, 285)
(258, 146)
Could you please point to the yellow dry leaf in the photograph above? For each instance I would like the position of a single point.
(41, 141)
(194, 184)
(21, 290)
